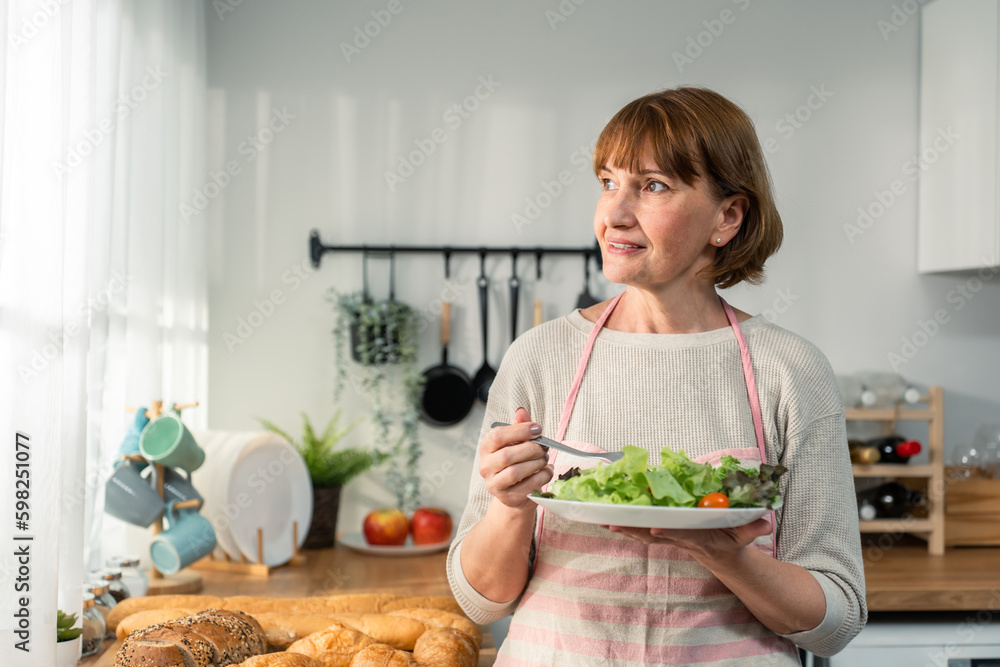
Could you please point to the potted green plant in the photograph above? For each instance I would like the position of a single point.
(67, 639)
(382, 338)
(330, 468)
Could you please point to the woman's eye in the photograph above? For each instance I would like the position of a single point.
(656, 186)
(608, 184)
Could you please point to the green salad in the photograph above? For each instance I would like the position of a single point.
(676, 482)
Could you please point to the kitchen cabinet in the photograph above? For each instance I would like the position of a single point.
(958, 166)
(931, 527)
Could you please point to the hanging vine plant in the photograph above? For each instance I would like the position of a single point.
(381, 337)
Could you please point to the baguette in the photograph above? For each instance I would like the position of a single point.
(281, 660)
(437, 618)
(383, 655)
(144, 619)
(334, 647)
(129, 606)
(399, 632)
(442, 602)
(281, 630)
(446, 647)
(358, 603)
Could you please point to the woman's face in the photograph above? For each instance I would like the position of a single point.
(655, 231)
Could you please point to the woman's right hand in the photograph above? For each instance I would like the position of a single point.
(510, 464)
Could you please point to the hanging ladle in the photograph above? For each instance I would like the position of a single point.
(515, 287)
(484, 377)
(586, 299)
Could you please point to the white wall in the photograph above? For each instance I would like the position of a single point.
(559, 82)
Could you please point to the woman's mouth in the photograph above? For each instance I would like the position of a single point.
(622, 248)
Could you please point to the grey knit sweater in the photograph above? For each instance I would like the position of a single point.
(687, 391)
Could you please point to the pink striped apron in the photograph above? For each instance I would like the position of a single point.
(599, 598)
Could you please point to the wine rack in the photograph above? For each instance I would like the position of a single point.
(930, 528)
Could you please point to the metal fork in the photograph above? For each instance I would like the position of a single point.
(610, 457)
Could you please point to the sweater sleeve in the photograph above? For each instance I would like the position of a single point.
(819, 530)
(507, 393)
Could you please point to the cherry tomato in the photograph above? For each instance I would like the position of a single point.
(714, 500)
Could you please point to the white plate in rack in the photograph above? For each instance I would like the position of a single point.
(255, 480)
(356, 542)
(645, 516)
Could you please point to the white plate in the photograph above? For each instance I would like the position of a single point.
(208, 480)
(356, 541)
(640, 516)
(254, 480)
(269, 483)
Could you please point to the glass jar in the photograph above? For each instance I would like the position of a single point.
(94, 627)
(113, 576)
(104, 602)
(132, 576)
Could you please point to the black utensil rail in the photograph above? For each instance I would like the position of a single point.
(317, 249)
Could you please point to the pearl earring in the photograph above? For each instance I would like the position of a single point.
(718, 240)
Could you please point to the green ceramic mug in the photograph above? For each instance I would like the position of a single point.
(189, 537)
(168, 442)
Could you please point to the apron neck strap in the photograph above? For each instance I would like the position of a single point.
(758, 422)
(582, 366)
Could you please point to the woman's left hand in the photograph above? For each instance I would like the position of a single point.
(716, 545)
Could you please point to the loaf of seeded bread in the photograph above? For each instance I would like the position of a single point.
(144, 619)
(129, 606)
(212, 638)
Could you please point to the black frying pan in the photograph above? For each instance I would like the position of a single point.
(448, 392)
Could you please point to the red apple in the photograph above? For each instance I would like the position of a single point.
(386, 527)
(430, 525)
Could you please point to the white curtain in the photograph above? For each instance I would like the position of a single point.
(103, 289)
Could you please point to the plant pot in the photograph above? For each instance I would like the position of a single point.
(390, 346)
(68, 653)
(323, 529)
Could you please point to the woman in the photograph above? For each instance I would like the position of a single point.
(685, 207)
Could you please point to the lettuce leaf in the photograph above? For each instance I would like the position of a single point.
(676, 482)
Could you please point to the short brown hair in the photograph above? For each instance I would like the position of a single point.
(697, 133)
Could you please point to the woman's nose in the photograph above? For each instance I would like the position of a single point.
(621, 211)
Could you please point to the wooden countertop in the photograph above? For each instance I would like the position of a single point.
(330, 572)
(903, 576)
(900, 577)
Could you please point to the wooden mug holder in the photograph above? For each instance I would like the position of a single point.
(184, 581)
(190, 582)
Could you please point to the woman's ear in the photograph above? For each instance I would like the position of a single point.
(733, 209)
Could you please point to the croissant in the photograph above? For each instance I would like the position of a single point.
(334, 647)
(437, 618)
(446, 647)
(383, 655)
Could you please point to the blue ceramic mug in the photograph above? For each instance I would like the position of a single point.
(168, 442)
(130, 497)
(189, 537)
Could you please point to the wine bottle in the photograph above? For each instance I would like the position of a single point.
(892, 500)
(885, 390)
(895, 449)
(863, 453)
(866, 511)
(853, 393)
